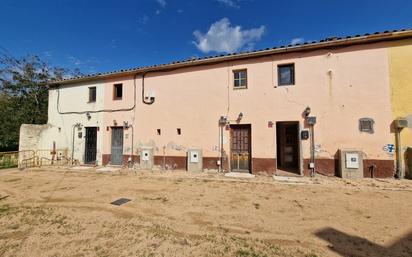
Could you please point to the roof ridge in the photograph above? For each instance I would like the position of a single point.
(190, 60)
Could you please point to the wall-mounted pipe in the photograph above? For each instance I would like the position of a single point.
(101, 110)
(312, 150)
(76, 125)
(399, 166)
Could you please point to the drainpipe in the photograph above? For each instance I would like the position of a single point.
(399, 167)
(131, 151)
(76, 125)
(312, 150)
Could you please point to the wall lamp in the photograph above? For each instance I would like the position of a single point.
(307, 111)
(240, 116)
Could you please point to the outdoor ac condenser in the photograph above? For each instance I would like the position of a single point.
(350, 164)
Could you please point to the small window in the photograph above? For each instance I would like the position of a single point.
(286, 74)
(366, 125)
(117, 91)
(240, 78)
(159, 132)
(179, 131)
(92, 94)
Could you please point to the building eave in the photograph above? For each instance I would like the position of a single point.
(322, 44)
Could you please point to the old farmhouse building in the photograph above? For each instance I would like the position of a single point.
(326, 106)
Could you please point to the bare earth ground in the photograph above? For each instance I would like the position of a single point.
(57, 212)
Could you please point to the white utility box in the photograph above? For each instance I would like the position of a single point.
(146, 158)
(194, 160)
(350, 164)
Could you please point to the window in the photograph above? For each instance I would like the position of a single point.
(366, 125)
(179, 131)
(117, 91)
(286, 74)
(159, 132)
(92, 94)
(240, 78)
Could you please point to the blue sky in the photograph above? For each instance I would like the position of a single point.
(106, 35)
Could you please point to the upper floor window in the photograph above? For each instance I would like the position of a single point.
(92, 94)
(117, 91)
(240, 78)
(286, 74)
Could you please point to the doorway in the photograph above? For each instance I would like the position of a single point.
(287, 143)
(240, 148)
(90, 145)
(116, 156)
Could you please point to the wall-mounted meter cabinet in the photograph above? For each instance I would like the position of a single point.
(146, 158)
(145, 155)
(350, 164)
(194, 160)
(194, 156)
(352, 160)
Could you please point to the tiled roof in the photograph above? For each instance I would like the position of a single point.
(327, 42)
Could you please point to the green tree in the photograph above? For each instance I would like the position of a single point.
(24, 94)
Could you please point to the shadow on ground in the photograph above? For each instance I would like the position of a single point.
(349, 245)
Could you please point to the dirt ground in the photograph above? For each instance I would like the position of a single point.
(61, 212)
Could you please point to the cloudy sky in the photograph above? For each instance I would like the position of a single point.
(106, 35)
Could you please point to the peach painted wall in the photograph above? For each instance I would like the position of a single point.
(126, 102)
(340, 86)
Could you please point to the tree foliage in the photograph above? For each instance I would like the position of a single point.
(24, 94)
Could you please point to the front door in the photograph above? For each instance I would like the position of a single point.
(91, 145)
(240, 149)
(116, 157)
(287, 141)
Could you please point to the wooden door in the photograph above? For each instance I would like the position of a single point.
(240, 150)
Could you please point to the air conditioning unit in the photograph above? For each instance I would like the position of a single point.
(194, 160)
(401, 123)
(350, 164)
(150, 96)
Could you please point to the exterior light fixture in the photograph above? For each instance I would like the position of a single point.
(115, 122)
(88, 115)
(307, 111)
(240, 116)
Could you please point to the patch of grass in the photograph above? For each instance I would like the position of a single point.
(247, 252)
(4, 209)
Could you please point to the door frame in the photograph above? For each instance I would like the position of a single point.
(111, 144)
(85, 146)
(249, 126)
(299, 165)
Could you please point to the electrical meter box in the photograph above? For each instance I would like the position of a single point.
(194, 160)
(350, 164)
(146, 158)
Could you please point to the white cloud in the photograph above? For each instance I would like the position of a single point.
(224, 38)
(162, 3)
(230, 3)
(298, 40)
(143, 19)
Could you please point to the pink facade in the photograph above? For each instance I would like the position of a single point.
(340, 86)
